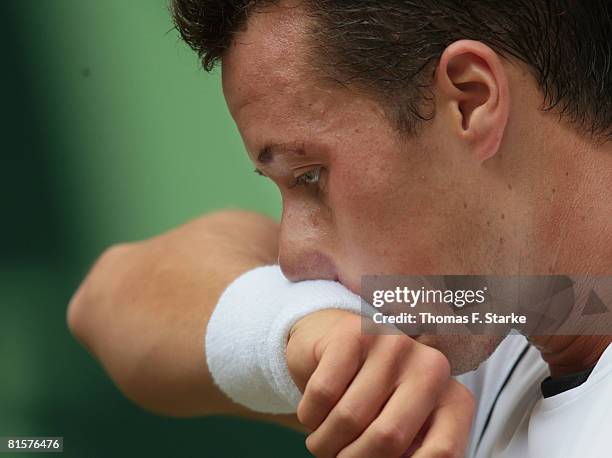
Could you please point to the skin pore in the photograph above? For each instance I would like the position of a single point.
(491, 185)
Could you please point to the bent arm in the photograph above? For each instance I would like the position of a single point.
(142, 311)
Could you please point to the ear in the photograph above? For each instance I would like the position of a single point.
(473, 89)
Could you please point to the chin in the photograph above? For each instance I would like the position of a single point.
(465, 353)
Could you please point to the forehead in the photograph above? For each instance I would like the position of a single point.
(267, 57)
(275, 94)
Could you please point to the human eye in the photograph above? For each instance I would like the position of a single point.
(308, 178)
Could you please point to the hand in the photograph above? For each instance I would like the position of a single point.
(375, 395)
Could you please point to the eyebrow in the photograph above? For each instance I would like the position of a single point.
(267, 153)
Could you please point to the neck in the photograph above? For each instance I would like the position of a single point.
(570, 354)
(578, 225)
(574, 237)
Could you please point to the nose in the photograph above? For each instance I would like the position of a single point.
(299, 265)
(302, 248)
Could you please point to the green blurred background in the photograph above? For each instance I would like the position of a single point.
(111, 132)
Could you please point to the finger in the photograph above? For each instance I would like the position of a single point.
(392, 432)
(404, 414)
(451, 424)
(363, 399)
(338, 365)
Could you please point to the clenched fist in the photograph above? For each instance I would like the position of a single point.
(375, 395)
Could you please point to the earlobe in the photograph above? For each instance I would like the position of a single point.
(474, 87)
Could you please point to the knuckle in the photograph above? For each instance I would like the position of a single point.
(348, 418)
(388, 438)
(321, 393)
(399, 345)
(436, 365)
(315, 446)
(463, 393)
(349, 328)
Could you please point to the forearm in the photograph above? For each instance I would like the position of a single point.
(143, 310)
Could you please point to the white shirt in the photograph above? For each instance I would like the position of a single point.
(524, 424)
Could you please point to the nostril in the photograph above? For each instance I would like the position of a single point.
(312, 265)
(288, 270)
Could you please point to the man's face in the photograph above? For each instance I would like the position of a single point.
(358, 197)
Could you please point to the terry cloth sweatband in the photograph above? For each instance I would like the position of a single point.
(247, 334)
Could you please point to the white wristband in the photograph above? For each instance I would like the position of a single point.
(247, 335)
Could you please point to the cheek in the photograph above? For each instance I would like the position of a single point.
(382, 223)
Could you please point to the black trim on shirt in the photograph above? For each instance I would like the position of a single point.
(516, 363)
(552, 386)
